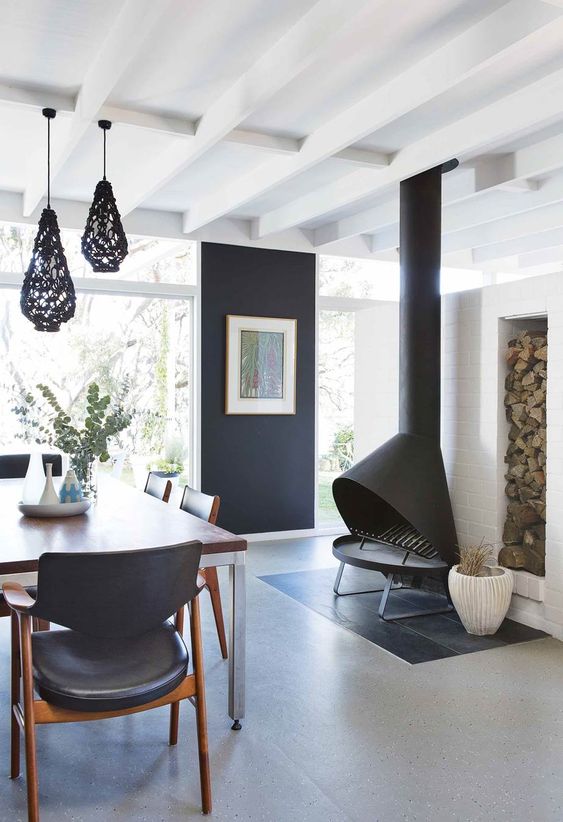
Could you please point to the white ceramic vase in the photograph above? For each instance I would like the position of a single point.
(481, 602)
(49, 495)
(34, 481)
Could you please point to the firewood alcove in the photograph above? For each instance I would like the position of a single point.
(526, 454)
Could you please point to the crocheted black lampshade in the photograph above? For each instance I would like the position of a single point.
(47, 296)
(104, 243)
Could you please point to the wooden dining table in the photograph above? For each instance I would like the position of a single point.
(123, 519)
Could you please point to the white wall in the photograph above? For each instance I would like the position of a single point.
(474, 426)
(473, 420)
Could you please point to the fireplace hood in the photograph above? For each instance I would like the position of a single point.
(398, 495)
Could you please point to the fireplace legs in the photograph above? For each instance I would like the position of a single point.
(393, 582)
(424, 612)
(350, 593)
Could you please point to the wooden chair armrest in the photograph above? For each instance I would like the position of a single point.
(17, 597)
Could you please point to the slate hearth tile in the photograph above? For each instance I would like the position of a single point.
(451, 634)
(512, 632)
(415, 639)
(358, 614)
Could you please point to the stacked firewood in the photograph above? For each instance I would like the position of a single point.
(526, 386)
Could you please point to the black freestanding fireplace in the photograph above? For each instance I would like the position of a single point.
(395, 502)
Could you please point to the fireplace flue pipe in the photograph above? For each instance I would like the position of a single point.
(420, 307)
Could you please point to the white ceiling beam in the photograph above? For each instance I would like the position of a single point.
(500, 171)
(457, 187)
(533, 106)
(541, 257)
(148, 121)
(542, 261)
(518, 245)
(163, 225)
(535, 160)
(21, 97)
(505, 230)
(484, 209)
(517, 27)
(507, 219)
(164, 124)
(382, 215)
(363, 157)
(271, 143)
(300, 46)
(134, 22)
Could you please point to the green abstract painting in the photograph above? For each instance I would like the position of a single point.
(261, 364)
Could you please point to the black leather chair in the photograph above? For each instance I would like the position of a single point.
(14, 466)
(120, 654)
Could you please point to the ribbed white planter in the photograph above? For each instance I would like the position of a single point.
(481, 602)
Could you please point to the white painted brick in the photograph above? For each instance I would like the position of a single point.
(521, 584)
(474, 426)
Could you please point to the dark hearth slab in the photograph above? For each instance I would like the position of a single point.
(414, 640)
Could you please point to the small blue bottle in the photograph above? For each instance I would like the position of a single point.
(70, 489)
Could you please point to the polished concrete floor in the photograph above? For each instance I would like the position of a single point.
(336, 729)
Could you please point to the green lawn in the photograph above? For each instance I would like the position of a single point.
(327, 514)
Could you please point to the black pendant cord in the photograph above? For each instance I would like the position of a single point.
(105, 132)
(49, 114)
(48, 162)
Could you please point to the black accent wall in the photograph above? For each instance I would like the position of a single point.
(262, 467)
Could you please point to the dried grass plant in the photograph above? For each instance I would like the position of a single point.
(473, 559)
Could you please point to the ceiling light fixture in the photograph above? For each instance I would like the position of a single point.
(47, 296)
(104, 243)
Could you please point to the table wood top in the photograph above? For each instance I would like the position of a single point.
(122, 519)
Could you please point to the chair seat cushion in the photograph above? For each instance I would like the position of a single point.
(85, 673)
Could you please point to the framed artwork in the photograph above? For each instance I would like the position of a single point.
(261, 365)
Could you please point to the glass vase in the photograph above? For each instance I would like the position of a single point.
(85, 466)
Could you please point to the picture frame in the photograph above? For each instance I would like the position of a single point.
(261, 365)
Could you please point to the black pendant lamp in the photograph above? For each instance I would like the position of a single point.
(104, 243)
(47, 296)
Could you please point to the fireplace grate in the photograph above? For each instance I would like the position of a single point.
(405, 537)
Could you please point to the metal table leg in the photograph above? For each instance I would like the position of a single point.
(237, 640)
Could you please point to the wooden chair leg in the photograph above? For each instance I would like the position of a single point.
(201, 712)
(15, 728)
(212, 585)
(175, 706)
(29, 721)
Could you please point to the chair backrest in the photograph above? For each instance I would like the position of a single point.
(158, 487)
(118, 593)
(14, 466)
(200, 505)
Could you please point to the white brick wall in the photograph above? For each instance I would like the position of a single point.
(474, 427)
(473, 422)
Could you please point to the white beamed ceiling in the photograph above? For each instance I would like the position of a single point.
(290, 124)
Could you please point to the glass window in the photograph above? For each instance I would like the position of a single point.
(134, 345)
(379, 280)
(148, 260)
(356, 277)
(336, 407)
